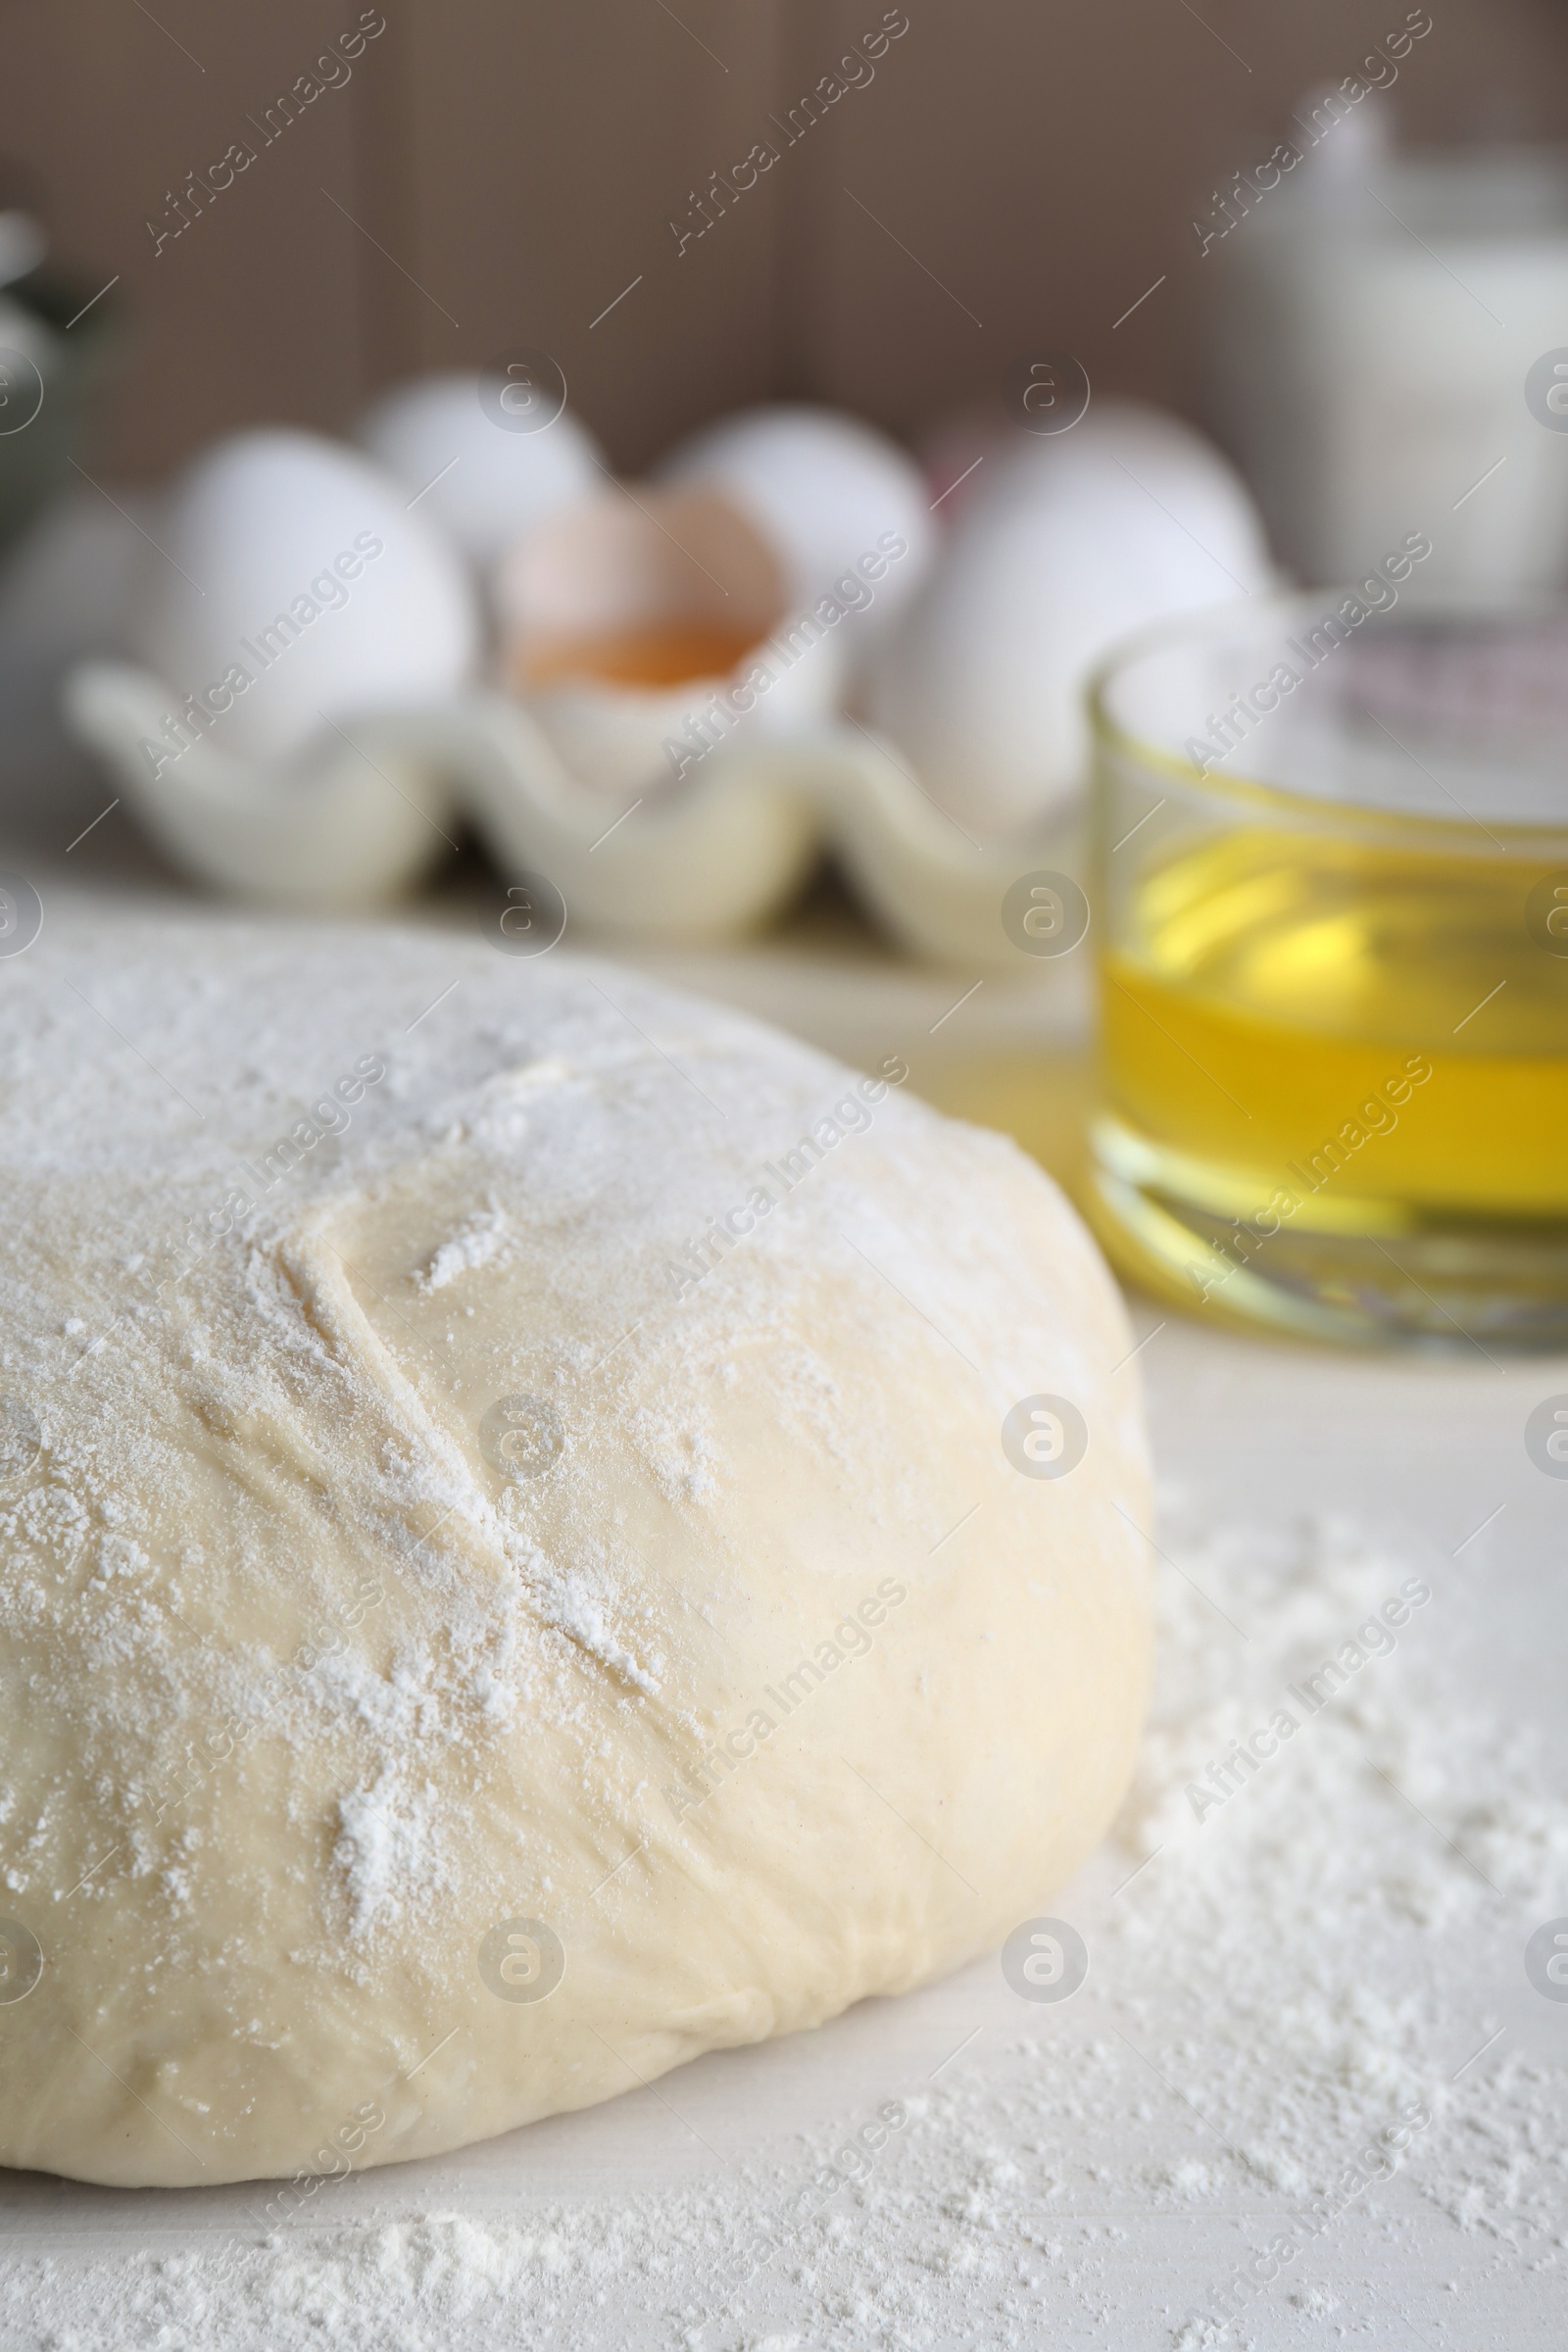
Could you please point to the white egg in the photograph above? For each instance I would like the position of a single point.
(482, 481)
(829, 492)
(290, 586)
(1074, 541)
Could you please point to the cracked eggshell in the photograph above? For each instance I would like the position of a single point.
(485, 486)
(1071, 543)
(294, 587)
(664, 563)
(828, 491)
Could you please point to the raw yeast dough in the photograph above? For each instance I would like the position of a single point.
(510, 1575)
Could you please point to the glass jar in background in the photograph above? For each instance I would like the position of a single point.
(1331, 905)
(1380, 348)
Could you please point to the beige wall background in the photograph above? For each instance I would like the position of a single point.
(1016, 173)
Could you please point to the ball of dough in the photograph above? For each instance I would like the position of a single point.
(543, 1529)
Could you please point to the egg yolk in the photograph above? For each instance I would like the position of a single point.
(667, 655)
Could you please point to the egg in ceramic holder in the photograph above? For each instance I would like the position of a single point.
(670, 757)
(634, 627)
(663, 741)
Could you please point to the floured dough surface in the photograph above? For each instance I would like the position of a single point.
(488, 1610)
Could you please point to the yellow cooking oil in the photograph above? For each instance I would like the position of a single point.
(1305, 1032)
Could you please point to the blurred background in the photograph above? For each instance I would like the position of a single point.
(1101, 318)
(509, 170)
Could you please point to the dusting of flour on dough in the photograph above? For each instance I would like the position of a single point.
(481, 1240)
(389, 1836)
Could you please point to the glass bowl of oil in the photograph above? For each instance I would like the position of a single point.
(1331, 906)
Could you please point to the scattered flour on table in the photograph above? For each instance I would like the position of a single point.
(1296, 1961)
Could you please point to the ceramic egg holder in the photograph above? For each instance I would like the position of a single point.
(347, 823)
(660, 810)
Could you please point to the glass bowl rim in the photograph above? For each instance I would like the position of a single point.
(1318, 810)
